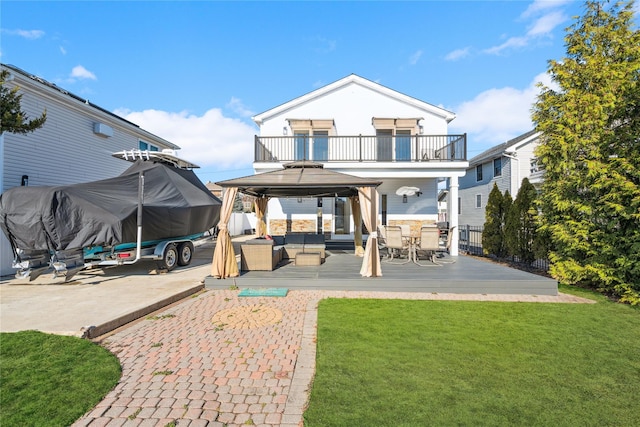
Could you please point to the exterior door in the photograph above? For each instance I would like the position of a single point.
(342, 216)
(301, 145)
(320, 145)
(384, 146)
(403, 145)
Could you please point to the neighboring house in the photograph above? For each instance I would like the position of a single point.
(359, 127)
(215, 189)
(506, 165)
(247, 201)
(74, 145)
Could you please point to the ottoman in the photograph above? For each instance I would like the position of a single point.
(308, 258)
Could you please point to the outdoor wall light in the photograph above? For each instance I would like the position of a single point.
(418, 193)
(285, 131)
(404, 198)
(299, 199)
(421, 129)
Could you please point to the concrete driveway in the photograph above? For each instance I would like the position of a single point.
(97, 301)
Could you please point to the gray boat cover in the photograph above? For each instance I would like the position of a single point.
(104, 213)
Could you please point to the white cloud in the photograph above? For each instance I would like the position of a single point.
(413, 59)
(457, 54)
(513, 42)
(210, 140)
(544, 17)
(542, 5)
(496, 115)
(239, 108)
(79, 72)
(27, 34)
(546, 24)
(63, 50)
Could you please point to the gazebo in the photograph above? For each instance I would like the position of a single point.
(300, 179)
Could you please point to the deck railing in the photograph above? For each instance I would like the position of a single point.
(361, 148)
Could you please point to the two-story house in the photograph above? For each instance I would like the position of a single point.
(74, 145)
(506, 165)
(361, 128)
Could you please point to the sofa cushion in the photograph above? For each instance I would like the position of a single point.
(294, 239)
(258, 241)
(314, 239)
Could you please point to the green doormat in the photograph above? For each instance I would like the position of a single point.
(264, 292)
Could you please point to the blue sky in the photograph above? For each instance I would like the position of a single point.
(194, 72)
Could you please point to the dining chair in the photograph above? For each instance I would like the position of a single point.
(430, 243)
(447, 249)
(382, 240)
(396, 244)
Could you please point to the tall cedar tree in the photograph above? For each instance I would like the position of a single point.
(12, 118)
(590, 150)
(521, 223)
(493, 231)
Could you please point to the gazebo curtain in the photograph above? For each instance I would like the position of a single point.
(357, 221)
(261, 208)
(369, 206)
(224, 258)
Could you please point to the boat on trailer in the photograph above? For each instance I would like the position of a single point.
(157, 209)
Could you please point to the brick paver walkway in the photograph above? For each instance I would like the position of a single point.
(217, 359)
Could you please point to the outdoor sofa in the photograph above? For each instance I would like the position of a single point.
(264, 253)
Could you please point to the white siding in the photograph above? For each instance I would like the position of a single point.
(469, 213)
(352, 108)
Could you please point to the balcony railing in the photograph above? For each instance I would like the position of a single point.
(361, 148)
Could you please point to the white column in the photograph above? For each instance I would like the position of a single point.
(453, 214)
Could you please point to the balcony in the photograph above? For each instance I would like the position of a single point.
(361, 148)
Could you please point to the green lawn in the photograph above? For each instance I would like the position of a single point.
(442, 363)
(52, 380)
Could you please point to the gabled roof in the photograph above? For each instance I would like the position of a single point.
(496, 151)
(351, 80)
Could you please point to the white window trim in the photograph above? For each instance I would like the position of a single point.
(494, 166)
(476, 201)
(481, 173)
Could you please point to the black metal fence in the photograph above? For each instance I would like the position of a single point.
(470, 242)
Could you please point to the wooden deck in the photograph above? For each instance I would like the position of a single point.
(341, 271)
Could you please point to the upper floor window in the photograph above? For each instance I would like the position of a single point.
(393, 140)
(497, 167)
(479, 173)
(311, 138)
(144, 146)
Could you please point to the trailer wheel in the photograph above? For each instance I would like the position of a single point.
(169, 257)
(185, 253)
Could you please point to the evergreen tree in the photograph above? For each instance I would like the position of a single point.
(590, 150)
(12, 118)
(493, 231)
(511, 226)
(237, 204)
(524, 216)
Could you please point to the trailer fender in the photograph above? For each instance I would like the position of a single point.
(158, 252)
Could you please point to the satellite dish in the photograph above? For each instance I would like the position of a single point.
(407, 191)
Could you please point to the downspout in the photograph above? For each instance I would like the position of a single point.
(514, 186)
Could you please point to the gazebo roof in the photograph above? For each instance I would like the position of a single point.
(300, 179)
